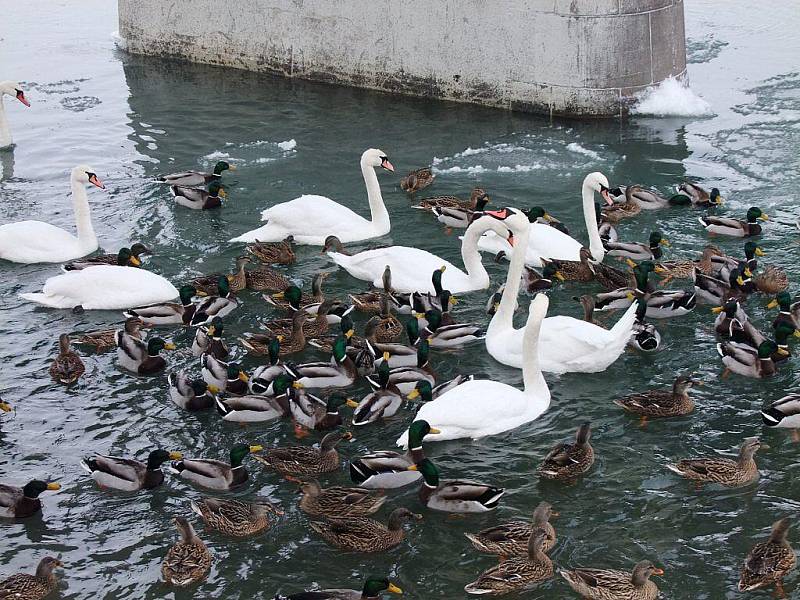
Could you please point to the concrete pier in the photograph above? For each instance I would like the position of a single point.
(583, 58)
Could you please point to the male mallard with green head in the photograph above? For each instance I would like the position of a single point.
(128, 474)
(372, 590)
(21, 503)
(216, 474)
(735, 227)
(168, 313)
(196, 178)
(198, 198)
(454, 496)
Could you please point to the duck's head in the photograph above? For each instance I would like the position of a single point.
(223, 286)
(46, 567)
(779, 530)
(132, 325)
(374, 587)
(332, 244)
(291, 294)
(158, 457)
(157, 344)
(657, 239)
(683, 383)
(138, 249)
(598, 183)
(216, 328)
(767, 349)
(85, 174)
(33, 488)
(436, 279)
(754, 214)
(750, 446)
(187, 292)
(551, 272)
(339, 350)
(336, 401)
(274, 350)
(751, 250)
(643, 571)
(424, 391)
(284, 383)
(234, 372)
(429, 471)
(240, 451)
(715, 197)
(543, 513)
(536, 213)
(412, 329)
(200, 388)
(223, 166)
(12, 88)
(215, 189)
(329, 442)
(417, 431)
(125, 257)
(376, 158)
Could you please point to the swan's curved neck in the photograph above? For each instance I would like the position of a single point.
(531, 372)
(5, 131)
(508, 302)
(377, 209)
(595, 243)
(476, 272)
(83, 216)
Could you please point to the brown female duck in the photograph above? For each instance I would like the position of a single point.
(23, 586)
(188, 560)
(511, 538)
(769, 562)
(362, 534)
(517, 573)
(661, 403)
(606, 584)
(67, 367)
(275, 253)
(338, 502)
(567, 461)
(724, 471)
(305, 460)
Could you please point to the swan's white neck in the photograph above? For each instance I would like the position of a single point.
(504, 317)
(476, 272)
(5, 131)
(83, 216)
(380, 216)
(595, 243)
(535, 385)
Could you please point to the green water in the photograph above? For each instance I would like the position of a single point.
(132, 118)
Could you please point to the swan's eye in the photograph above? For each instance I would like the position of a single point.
(384, 158)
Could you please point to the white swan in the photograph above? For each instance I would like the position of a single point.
(483, 407)
(411, 267)
(548, 242)
(104, 287)
(310, 219)
(38, 242)
(568, 345)
(13, 89)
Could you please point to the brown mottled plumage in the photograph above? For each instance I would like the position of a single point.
(518, 572)
(606, 584)
(417, 180)
(305, 460)
(769, 562)
(32, 587)
(511, 538)
(188, 560)
(67, 367)
(567, 461)
(234, 517)
(276, 253)
(661, 403)
(339, 502)
(362, 534)
(724, 471)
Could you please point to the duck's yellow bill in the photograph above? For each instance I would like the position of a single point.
(772, 304)
(297, 385)
(717, 309)
(256, 448)
(243, 376)
(665, 243)
(393, 589)
(412, 468)
(175, 455)
(5, 407)
(434, 430)
(169, 346)
(212, 388)
(760, 252)
(764, 217)
(351, 403)
(413, 394)
(53, 487)
(134, 261)
(558, 275)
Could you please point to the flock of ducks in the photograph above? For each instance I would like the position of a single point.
(410, 305)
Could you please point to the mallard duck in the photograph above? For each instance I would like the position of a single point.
(263, 376)
(768, 562)
(661, 403)
(449, 336)
(772, 280)
(452, 201)
(789, 312)
(512, 538)
(20, 503)
(700, 197)
(292, 299)
(126, 257)
(575, 270)
(215, 474)
(388, 328)
(362, 534)
(208, 340)
(537, 214)
(624, 210)
(729, 321)
(400, 355)
(637, 251)
(456, 216)
(305, 460)
(198, 198)
(338, 372)
(417, 180)
(370, 302)
(196, 178)
(314, 413)
(234, 517)
(259, 343)
(106, 339)
(191, 394)
(225, 376)
(735, 227)
(747, 361)
(32, 587)
(517, 573)
(237, 281)
(711, 290)
(606, 584)
(387, 469)
(216, 306)
(605, 229)
(754, 338)
(168, 313)
(338, 502)
(67, 367)
(427, 392)
(644, 337)
(275, 253)
(533, 282)
(141, 358)
(263, 279)
(382, 402)
(454, 496)
(314, 326)
(253, 408)
(783, 413)
(128, 474)
(661, 304)
(373, 587)
(568, 461)
(724, 471)
(405, 379)
(188, 560)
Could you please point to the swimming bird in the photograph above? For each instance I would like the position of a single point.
(126, 257)
(567, 461)
(608, 584)
(362, 534)
(456, 496)
(188, 560)
(768, 562)
(235, 517)
(14, 90)
(735, 227)
(128, 474)
(67, 367)
(32, 587)
(198, 198)
(512, 538)
(517, 573)
(417, 180)
(23, 502)
(216, 474)
(196, 178)
(724, 471)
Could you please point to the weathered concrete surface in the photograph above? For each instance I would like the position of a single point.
(560, 57)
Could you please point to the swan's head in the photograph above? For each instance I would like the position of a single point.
(86, 174)
(513, 222)
(12, 88)
(376, 158)
(597, 182)
(538, 307)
